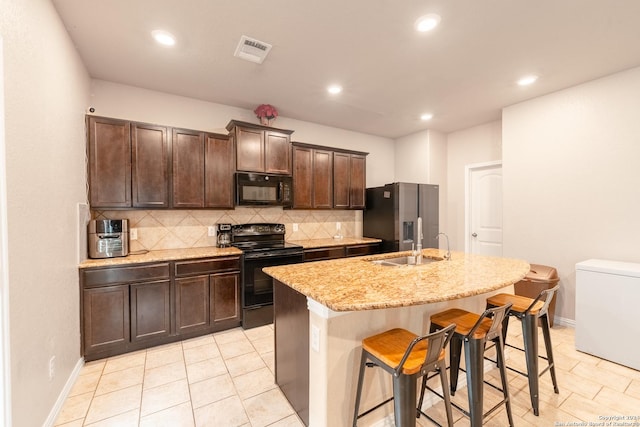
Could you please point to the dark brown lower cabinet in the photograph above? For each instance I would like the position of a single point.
(192, 304)
(333, 252)
(128, 308)
(150, 310)
(106, 318)
(207, 301)
(225, 304)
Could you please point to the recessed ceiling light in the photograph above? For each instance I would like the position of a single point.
(163, 37)
(527, 80)
(426, 116)
(334, 89)
(427, 22)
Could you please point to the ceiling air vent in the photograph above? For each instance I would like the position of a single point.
(252, 50)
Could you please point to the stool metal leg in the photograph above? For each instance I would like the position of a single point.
(474, 360)
(547, 344)
(404, 400)
(445, 392)
(455, 349)
(503, 377)
(363, 365)
(530, 337)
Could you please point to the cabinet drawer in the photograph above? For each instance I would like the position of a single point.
(323, 253)
(213, 265)
(360, 250)
(113, 275)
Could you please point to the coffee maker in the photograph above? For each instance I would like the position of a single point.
(223, 235)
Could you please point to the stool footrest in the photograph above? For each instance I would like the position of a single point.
(464, 411)
(368, 411)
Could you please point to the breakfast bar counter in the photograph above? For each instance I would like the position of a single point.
(324, 309)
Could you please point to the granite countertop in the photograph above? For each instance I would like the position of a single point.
(164, 255)
(345, 241)
(210, 251)
(353, 284)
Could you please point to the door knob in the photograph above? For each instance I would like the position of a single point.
(474, 235)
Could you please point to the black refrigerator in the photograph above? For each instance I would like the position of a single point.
(392, 213)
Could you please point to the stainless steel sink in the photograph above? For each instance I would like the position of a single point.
(403, 260)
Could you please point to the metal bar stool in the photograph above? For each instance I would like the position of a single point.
(529, 310)
(406, 357)
(474, 331)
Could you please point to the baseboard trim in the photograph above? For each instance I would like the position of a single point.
(55, 411)
(563, 321)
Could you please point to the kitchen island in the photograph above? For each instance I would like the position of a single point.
(323, 310)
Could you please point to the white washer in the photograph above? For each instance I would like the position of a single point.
(608, 310)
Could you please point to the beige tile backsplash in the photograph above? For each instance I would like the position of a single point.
(178, 229)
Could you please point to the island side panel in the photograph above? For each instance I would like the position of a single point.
(291, 326)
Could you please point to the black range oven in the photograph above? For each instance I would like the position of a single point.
(262, 245)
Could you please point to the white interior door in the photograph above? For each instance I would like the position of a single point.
(484, 209)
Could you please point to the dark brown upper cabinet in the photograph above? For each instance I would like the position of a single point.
(349, 180)
(139, 165)
(218, 177)
(128, 164)
(188, 169)
(261, 148)
(109, 152)
(202, 170)
(312, 177)
(149, 166)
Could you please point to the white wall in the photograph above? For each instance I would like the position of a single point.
(571, 178)
(422, 157)
(479, 144)
(127, 102)
(46, 93)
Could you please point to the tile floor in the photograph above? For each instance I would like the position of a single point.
(226, 379)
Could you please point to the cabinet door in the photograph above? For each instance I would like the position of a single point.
(109, 163)
(277, 149)
(105, 318)
(357, 181)
(322, 179)
(218, 166)
(192, 303)
(188, 169)
(302, 177)
(341, 177)
(150, 310)
(149, 166)
(225, 301)
(249, 149)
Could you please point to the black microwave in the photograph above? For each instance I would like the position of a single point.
(258, 189)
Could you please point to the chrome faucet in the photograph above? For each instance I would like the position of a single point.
(448, 254)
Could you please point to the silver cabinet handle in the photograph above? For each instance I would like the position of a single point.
(474, 235)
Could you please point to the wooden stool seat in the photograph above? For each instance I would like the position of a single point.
(520, 303)
(391, 345)
(464, 321)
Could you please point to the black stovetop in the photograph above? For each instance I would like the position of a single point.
(260, 237)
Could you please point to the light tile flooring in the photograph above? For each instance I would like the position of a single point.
(226, 379)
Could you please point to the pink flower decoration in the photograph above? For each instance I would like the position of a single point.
(266, 110)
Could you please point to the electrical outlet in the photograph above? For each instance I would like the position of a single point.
(211, 231)
(52, 367)
(295, 227)
(315, 338)
(133, 234)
